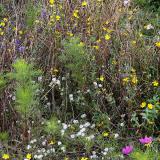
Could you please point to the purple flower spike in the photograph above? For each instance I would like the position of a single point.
(21, 48)
(146, 140)
(127, 150)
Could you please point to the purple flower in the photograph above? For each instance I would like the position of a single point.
(43, 13)
(21, 48)
(146, 140)
(123, 76)
(127, 150)
(18, 41)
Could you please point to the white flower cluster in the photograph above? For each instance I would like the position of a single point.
(54, 82)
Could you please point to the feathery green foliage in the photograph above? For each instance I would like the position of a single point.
(25, 89)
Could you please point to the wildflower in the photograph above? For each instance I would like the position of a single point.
(127, 150)
(28, 156)
(143, 104)
(116, 135)
(120, 9)
(21, 48)
(55, 70)
(43, 13)
(155, 83)
(101, 79)
(149, 26)
(51, 1)
(104, 28)
(140, 34)
(133, 70)
(66, 158)
(80, 44)
(107, 22)
(133, 42)
(150, 106)
(107, 37)
(109, 31)
(159, 139)
(158, 44)
(58, 18)
(36, 21)
(114, 62)
(2, 24)
(96, 47)
(84, 3)
(146, 140)
(151, 122)
(84, 158)
(5, 19)
(105, 134)
(134, 80)
(72, 128)
(5, 156)
(51, 142)
(130, 18)
(126, 79)
(100, 124)
(2, 33)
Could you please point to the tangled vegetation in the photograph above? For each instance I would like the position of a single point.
(79, 80)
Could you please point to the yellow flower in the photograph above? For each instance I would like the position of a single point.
(98, 0)
(84, 158)
(100, 124)
(155, 83)
(72, 128)
(151, 122)
(140, 34)
(96, 47)
(133, 70)
(114, 62)
(20, 32)
(159, 139)
(99, 92)
(143, 104)
(2, 33)
(2, 24)
(101, 79)
(5, 156)
(157, 111)
(5, 19)
(51, 1)
(104, 28)
(130, 18)
(98, 40)
(134, 10)
(80, 44)
(130, 12)
(107, 22)
(60, 6)
(104, 89)
(105, 134)
(120, 9)
(66, 158)
(133, 42)
(51, 142)
(150, 106)
(36, 21)
(158, 44)
(55, 70)
(84, 3)
(107, 37)
(109, 31)
(58, 18)
(145, 27)
(126, 79)
(134, 80)
(28, 156)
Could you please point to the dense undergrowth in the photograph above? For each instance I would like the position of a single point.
(79, 80)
